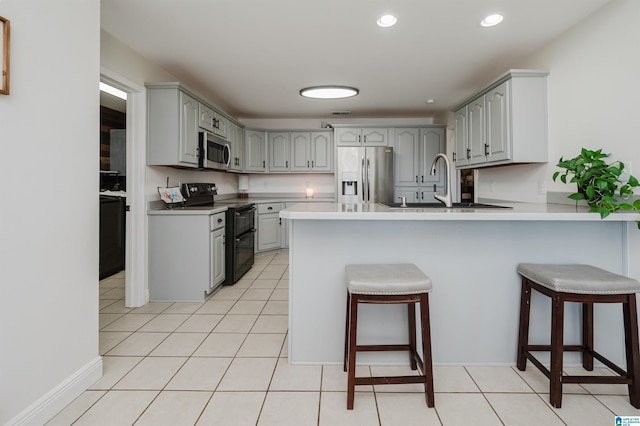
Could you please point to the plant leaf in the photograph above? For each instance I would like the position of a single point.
(626, 206)
(633, 181)
(576, 196)
(555, 175)
(590, 191)
(604, 212)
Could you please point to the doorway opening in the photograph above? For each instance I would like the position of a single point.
(126, 176)
(113, 180)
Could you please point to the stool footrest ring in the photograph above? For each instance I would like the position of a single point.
(389, 380)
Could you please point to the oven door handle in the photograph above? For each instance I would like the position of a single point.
(251, 210)
(250, 231)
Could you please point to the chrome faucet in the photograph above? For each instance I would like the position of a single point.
(446, 198)
(403, 201)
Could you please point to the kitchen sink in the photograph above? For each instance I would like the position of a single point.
(442, 206)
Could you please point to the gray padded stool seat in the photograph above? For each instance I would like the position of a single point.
(386, 284)
(587, 285)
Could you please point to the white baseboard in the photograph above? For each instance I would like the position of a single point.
(59, 397)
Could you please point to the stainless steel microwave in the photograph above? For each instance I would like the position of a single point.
(214, 152)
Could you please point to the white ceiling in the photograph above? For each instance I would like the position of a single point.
(251, 57)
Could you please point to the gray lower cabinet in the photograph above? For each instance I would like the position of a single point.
(269, 226)
(186, 256)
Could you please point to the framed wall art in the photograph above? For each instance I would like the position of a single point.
(4, 43)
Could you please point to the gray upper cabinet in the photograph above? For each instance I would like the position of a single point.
(415, 149)
(311, 152)
(212, 121)
(279, 152)
(255, 150)
(505, 123)
(172, 134)
(365, 136)
(235, 136)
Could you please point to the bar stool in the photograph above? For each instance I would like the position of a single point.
(388, 284)
(586, 285)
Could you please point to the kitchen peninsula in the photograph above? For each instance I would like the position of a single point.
(470, 254)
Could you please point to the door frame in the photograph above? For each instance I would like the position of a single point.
(136, 277)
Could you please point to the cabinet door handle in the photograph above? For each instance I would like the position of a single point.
(263, 163)
(486, 149)
(468, 153)
(279, 221)
(307, 163)
(417, 197)
(312, 163)
(365, 138)
(269, 208)
(219, 220)
(454, 156)
(422, 178)
(434, 187)
(286, 164)
(416, 178)
(422, 195)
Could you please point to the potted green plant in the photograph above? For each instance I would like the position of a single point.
(598, 182)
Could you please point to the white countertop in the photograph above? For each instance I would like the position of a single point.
(517, 212)
(221, 205)
(122, 194)
(193, 210)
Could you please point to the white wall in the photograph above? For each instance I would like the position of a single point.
(593, 88)
(121, 59)
(49, 243)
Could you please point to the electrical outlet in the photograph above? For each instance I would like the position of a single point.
(542, 187)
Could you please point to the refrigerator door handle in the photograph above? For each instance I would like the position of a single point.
(363, 181)
(368, 180)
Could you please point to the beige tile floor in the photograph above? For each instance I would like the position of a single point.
(224, 362)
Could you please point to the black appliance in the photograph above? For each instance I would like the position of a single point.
(215, 152)
(112, 235)
(239, 232)
(240, 242)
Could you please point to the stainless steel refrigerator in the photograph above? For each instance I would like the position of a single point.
(365, 174)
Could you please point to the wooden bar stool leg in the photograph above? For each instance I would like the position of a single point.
(427, 367)
(523, 334)
(346, 333)
(351, 369)
(587, 336)
(631, 342)
(411, 310)
(557, 347)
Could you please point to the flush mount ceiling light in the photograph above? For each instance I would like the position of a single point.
(387, 21)
(491, 20)
(328, 92)
(104, 87)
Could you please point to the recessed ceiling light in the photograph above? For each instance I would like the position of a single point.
(329, 92)
(491, 20)
(387, 21)
(430, 101)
